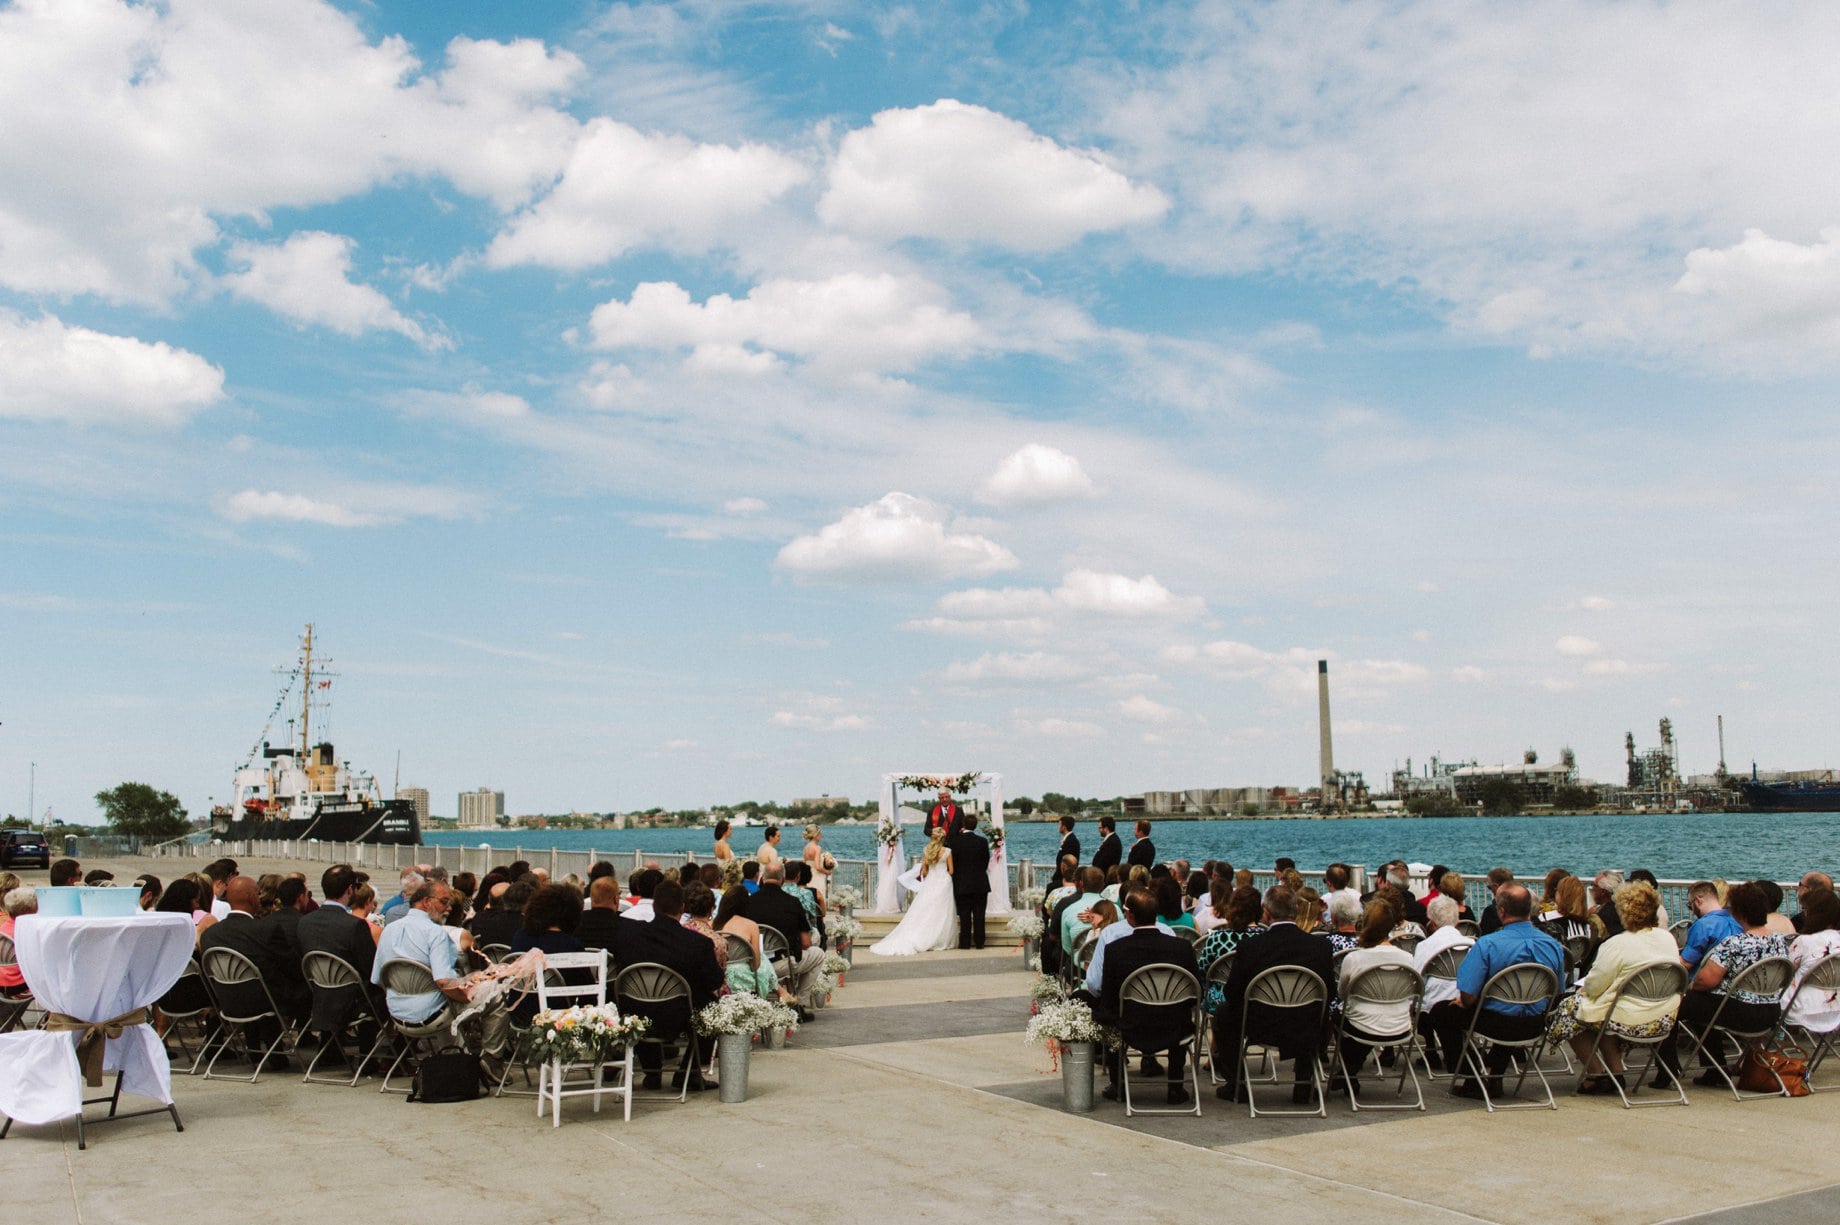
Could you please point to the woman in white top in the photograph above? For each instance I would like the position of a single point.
(1212, 911)
(722, 851)
(1364, 1018)
(1640, 943)
(1814, 1010)
(822, 865)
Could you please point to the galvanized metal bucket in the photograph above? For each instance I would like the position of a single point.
(732, 1054)
(1076, 1077)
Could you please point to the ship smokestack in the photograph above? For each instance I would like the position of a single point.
(1322, 718)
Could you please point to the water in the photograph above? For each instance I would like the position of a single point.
(1735, 846)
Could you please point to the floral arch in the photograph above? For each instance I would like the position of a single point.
(890, 857)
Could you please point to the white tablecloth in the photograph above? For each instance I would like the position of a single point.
(95, 970)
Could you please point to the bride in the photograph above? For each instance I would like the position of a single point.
(931, 921)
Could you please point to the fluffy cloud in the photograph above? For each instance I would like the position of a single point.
(852, 321)
(52, 371)
(623, 189)
(965, 174)
(1035, 475)
(1032, 667)
(895, 538)
(1080, 591)
(818, 723)
(293, 508)
(308, 279)
(1577, 646)
(1767, 294)
(1141, 709)
(133, 129)
(1293, 671)
(350, 506)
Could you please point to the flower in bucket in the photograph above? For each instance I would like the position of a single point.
(844, 931)
(846, 895)
(1032, 897)
(1060, 1022)
(1026, 924)
(742, 1012)
(834, 965)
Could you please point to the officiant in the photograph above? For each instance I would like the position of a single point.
(942, 817)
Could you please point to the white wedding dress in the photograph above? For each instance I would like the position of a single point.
(931, 921)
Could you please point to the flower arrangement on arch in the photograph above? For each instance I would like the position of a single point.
(586, 1033)
(1032, 897)
(995, 836)
(888, 833)
(957, 784)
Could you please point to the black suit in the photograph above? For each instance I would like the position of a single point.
(1143, 854)
(333, 929)
(1110, 852)
(1052, 955)
(1070, 845)
(1284, 945)
(667, 942)
(1148, 1028)
(597, 927)
(495, 926)
(970, 885)
(286, 920)
(266, 947)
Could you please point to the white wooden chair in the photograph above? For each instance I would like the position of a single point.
(554, 991)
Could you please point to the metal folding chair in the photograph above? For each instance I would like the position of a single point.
(1383, 984)
(647, 982)
(1162, 987)
(329, 975)
(1301, 991)
(1442, 966)
(1468, 927)
(1217, 973)
(1651, 984)
(243, 1001)
(1679, 931)
(1521, 985)
(12, 1010)
(411, 978)
(1405, 942)
(1769, 976)
(1823, 975)
(189, 999)
(1193, 935)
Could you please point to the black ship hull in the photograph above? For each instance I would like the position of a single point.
(1792, 797)
(393, 822)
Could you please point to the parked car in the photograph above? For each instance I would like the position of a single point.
(19, 845)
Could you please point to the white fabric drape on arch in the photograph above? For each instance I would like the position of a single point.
(890, 859)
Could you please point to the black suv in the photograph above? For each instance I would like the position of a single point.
(19, 845)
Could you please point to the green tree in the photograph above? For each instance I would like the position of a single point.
(1023, 804)
(1501, 797)
(1438, 805)
(1571, 797)
(138, 811)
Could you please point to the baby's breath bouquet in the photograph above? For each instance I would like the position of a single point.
(834, 965)
(1049, 988)
(1027, 924)
(846, 896)
(587, 1033)
(1061, 1022)
(1032, 897)
(843, 930)
(742, 1013)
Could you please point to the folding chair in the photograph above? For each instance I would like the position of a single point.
(1383, 984)
(1577, 952)
(1468, 928)
(738, 948)
(1522, 984)
(1769, 976)
(1292, 988)
(1679, 931)
(334, 981)
(189, 999)
(411, 978)
(1823, 975)
(1162, 987)
(1442, 966)
(554, 990)
(1405, 942)
(495, 953)
(1651, 984)
(1193, 935)
(647, 982)
(243, 1000)
(1217, 973)
(12, 1010)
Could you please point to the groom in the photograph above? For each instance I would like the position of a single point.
(970, 880)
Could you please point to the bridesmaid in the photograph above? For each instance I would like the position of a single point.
(723, 851)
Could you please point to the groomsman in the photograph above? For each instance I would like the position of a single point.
(1111, 850)
(1143, 851)
(1070, 842)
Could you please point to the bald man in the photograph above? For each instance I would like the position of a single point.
(264, 945)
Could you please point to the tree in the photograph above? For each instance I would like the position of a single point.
(138, 811)
(1437, 805)
(1024, 805)
(1501, 797)
(1575, 797)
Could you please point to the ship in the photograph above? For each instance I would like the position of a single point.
(301, 791)
(1804, 795)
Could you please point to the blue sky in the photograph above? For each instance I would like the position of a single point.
(679, 403)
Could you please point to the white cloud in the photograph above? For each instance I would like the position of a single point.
(467, 403)
(1468, 674)
(897, 537)
(818, 723)
(1035, 475)
(1141, 709)
(1032, 667)
(1596, 603)
(994, 627)
(624, 189)
(308, 279)
(350, 506)
(1054, 728)
(293, 508)
(966, 174)
(1080, 592)
(851, 321)
(744, 506)
(1293, 671)
(51, 371)
(1577, 646)
(1368, 727)
(1768, 295)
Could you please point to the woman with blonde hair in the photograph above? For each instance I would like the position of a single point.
(1309, 909)
(931, 921)
(1581, 1014)
(822, 865)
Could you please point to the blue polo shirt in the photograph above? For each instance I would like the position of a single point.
(1707, 930)
(1509, 944)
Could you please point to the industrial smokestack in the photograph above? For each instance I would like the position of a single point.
(1322, 717)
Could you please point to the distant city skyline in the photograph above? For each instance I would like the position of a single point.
(677, 404)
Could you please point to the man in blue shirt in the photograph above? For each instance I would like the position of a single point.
(419, 937)
(1090, 883)
(1515, 942)
(1712, 923)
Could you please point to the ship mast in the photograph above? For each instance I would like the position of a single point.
(306, 692)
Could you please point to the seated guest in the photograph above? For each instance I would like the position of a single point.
(645, 883)
(1399, 876)
(1169, 909)
(1105, 927)
(1491, 917)
(1310, 914)
(465, 886)
(291, 900)
(773, 907)
(1638, 943)
(1068, 925)
(1748, 908)
(756, 974)
(1817, 1011)
(596, 928)
(699, 909)
(150, 888)
(1440, 993)
(664, 940)
(1711, 923)
(66, 872)
(1647, 877)
(95, 878)
(1338, 878)
(1548, 907)
(1810, 880)
(1343, 915)
(417, 936)
(1516, 941)
(1572, 920)
(1280, 944)
(1434, 883)
(268, 886)
(710, 877)
(1365, 1019)
(408, 881)
(1212, 911)
(217, 878)
(1779, 923)
(333, 928)
(1453, 886)
(363, 906)
(1603, 901)
(1240, 922)
(1151, 1030)
(1194, 892)
(750, 876)
(265, 946)
(19, 900)
(503, 916)
(550, 919)
(182, 897)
